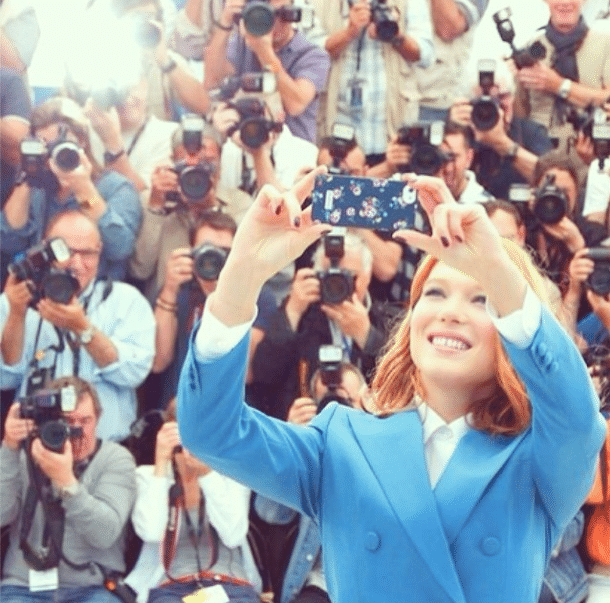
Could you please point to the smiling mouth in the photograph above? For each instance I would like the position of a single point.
(449, 343)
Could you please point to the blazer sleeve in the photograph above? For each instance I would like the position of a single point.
(567, 428)
(277, 459)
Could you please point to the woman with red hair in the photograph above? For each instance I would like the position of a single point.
(487, 431)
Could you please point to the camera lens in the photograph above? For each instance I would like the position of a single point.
(209, 261)
(66, 156)
(336, 286)
(53, 434)
(194, 182)
(426, 160)
(485, 113)
(258, 18)
(253, 132)
(59, 286)
(599, 280)
(549, 208)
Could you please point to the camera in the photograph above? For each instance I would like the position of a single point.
(259, 16)
(384, 19)
(35, 153)
(522, 57)
(330, 363)
(599, 280)
(46, 408)
(261, 82)
(254, 128)
(208, 261)
(37, 267)
(594, 123)
(425, 139)
(336, 284)
(485, 108)
(340, 143)
(550, 201)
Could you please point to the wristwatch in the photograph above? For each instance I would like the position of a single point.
(112, 157)
(87, 335)
(564, 88)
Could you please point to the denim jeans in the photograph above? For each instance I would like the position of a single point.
(173, 593)
(85, 594)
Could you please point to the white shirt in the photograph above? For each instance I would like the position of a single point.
(597, 194)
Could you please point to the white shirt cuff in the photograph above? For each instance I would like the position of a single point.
(215, 339)
(519, 326)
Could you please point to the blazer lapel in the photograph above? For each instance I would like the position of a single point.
(476, 460)
(394, 450)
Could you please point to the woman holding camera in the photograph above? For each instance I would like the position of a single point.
(58, 173)
(488, 431)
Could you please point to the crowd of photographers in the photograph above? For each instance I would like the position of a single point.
(119, 207)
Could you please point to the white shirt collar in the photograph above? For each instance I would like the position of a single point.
(432, 422)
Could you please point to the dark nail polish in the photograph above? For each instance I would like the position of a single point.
(458, 239)
(278, 210)
(445, 241)
(297, 221)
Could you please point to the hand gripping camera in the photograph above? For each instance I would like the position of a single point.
(425, 139)
(254, 128)
(263, 82)
(599, 280)
(550, 201)
(46, 407)
(258, 16)
(47, 281)
(336, 284)
(523, 57)
(208, 261)
(485, 108)
(594, 123)
(384, 19)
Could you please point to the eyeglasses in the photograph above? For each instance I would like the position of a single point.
(85, 254)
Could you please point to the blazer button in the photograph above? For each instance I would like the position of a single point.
(542, 350)
(372, 541)
(490, 546)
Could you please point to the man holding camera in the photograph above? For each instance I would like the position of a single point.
(328, 303)
(301, 68)
(85, 489)
(99, 330)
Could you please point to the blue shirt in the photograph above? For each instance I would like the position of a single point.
(120, 312)
(118, 225)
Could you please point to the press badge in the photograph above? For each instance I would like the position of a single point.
(208, 594)
(45, 580)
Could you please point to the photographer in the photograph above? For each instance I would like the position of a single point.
(171, 210)
(288, 352)
(106, 197)
(575, 71)
(104, 333)
(300, 66)
(92, 486)
(509, 148)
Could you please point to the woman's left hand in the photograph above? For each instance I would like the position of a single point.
(462, 235)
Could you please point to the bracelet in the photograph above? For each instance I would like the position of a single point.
(170, 304)
(221, 26)
(163, 306)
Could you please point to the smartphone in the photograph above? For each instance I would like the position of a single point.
(377, 203)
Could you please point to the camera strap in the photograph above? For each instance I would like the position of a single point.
(136, 137)
(38, 377)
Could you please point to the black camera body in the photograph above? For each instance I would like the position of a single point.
(522, 57)
(35, 153)
(599, 280)
(485, 108)
(262, 82)
(258, 16)
(384, 19)
(594, 123)
(47, 281)
(194, 181)
(208, 261)
(336, 284)
(46, 407)
(424, 138)
(341, 141)
(254, 128)
(550, 201)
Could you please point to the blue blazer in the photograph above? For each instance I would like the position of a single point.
(484, 535)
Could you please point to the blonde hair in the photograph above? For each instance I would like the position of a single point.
(396, 383)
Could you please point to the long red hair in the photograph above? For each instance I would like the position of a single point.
(506, 411)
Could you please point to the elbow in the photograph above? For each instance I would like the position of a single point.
(449, 32)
